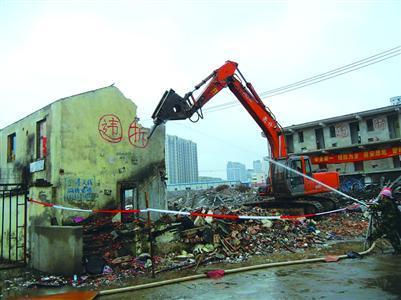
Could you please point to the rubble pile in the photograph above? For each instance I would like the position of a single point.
(111, 246)
(226, 238)
(115, 252)
(220, 196)
(340, 226)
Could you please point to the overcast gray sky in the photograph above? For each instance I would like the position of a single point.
(53, 49)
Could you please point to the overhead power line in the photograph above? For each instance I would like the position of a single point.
(326, 78)
(320, 77)
(337, 70)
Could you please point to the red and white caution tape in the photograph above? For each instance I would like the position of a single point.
(185, 213)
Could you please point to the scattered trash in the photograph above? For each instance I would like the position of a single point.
(95, 265)
(353, 254)
(78, 219)
(331, 258)
(215, 274)
(107, 270)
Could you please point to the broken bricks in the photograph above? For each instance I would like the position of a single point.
(113, 249)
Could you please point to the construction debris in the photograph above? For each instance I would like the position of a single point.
(116, 252)
(220, 196)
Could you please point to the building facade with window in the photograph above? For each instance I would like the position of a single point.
(86, 151)
(363, 147)
(181, 160)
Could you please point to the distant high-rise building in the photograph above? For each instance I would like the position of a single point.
(181, 160)
(236, 171)
(257, 166)
(265, 166)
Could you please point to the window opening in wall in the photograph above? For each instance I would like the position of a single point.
(369, 124)
(396, 161)
(11, 147)
(301, 136)
(355, 135)
(332, 131)
(319, 138)
(393, 126)
(290, 143)
(129, 200)
(358, 166)
(41, 139)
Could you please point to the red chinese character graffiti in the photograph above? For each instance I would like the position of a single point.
(110, 128)
(137, 135)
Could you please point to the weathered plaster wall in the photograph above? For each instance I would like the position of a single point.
(25, 130)
(309, 142)
(103, 146)
(96, 145)
(380, 132)
(17, 171)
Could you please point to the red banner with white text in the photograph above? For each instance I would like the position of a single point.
(356, 156)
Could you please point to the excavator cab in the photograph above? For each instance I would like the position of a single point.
(288, 184)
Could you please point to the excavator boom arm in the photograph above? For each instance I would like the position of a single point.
(174, 107)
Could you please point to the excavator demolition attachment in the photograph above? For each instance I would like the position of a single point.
(171, 107)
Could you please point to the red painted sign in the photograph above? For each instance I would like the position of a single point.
(110, 128)
(356, 156)
(137, 135)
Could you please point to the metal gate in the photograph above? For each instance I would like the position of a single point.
(13, 213)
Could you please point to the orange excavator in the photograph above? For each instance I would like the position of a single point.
(287, 189)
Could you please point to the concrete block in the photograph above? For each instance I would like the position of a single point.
(57, 249)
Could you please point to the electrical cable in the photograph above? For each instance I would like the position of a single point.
(318, 78)
(337, 70)
(314, 82)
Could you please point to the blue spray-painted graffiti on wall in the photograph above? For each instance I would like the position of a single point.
(80, 188)
(352, 184)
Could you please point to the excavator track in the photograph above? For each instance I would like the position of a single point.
(328, 203)
(304, 205)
